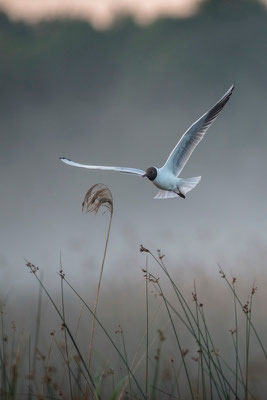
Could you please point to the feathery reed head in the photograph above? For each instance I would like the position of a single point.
(98, 196)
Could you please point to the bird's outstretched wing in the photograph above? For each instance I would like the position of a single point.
(126, 170)
(191, 138)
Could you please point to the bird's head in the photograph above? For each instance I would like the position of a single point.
(151, 173)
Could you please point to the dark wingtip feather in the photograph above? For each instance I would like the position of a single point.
(227, 95)
(214, 111)
(231, 89)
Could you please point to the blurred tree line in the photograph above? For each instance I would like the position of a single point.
(226, 40)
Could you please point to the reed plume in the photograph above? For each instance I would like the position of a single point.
(98, 196)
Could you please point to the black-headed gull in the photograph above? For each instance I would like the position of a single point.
(167, 178)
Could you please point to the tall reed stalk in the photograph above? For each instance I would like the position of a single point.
(98, 196)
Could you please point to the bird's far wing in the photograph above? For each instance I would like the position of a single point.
(191, 138)
(126, 170)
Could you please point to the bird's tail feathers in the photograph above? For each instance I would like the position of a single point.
(189, 184)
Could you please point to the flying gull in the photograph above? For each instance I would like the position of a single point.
(167, 178)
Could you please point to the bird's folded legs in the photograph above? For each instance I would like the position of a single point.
(180, 193)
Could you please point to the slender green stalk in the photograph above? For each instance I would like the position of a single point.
(236, 339)
(37, 327)
(176, 379)
(29, 369)
(241, 379)
(156, 370)
(45, 379)
(209, 355)
(64, 322)
(66, 365)
(200, 346)
(147, 332)
(3, 356)
(198, 379)
(166, 393)
(12, 350)
(113, 382)
(247, 353)
(126, 359)
(14, 375)
(248, 312)
(217, 366)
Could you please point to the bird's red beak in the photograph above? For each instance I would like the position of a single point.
(144, 176)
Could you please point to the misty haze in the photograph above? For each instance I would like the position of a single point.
(124, 96)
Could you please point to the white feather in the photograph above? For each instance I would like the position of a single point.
(189, 184)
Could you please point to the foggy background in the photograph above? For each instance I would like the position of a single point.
(124, 96)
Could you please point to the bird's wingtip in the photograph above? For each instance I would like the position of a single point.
(229, 91)
(65, 160)
(232, 87)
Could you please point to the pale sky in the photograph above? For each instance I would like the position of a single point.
(100, 13)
